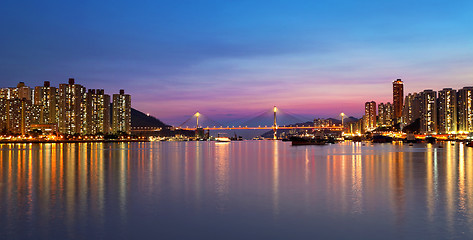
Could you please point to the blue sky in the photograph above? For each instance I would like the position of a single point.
(229, 59)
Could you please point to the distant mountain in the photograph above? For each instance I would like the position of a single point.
(346, 120)
(140, 119)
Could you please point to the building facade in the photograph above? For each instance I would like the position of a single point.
(398, 98)
(71, 102)
(97, 112)
(428, 119)
(121, 122)
(385, 114)
(465, 109)
(370, 116)
(447, 111)
(45, 102)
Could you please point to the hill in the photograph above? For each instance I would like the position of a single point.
(140, 119)
(346, 120)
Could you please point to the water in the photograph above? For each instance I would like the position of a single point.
(237, 190)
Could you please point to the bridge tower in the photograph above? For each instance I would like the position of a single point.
(197, 114)
(275, 125)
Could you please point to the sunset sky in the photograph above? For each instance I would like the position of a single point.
(230, 59)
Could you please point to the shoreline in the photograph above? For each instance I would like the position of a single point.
(73, 141)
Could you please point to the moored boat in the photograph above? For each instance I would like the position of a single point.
(298, 141)
(430, 139)
(222, 139)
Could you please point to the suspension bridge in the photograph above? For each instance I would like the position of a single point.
(198, 121)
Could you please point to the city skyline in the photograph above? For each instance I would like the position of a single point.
(47, 107)
(311, 58)
(67, 110)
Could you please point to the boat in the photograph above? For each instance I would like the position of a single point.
(222, 139)
(299, 141)
(381, 139)
(331, 140)
(411, 138)
(430, 139)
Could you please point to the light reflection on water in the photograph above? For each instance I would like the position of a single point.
(250, 189)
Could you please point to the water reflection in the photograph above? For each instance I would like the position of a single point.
(118, 190)
(357, 183)
(222, 171)
(275, 165)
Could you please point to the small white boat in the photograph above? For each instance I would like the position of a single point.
(222, 139)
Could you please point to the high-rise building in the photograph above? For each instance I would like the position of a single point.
(23, 91)
(19, 116)
(71, 101)
(408, 111)
(97, 112)
(45, 103)
(121, 113)
(385, 114)
(3, 115)
(381, 110)
(370, 116)
(465, 109)
(447, 111)
(16, 109)
(398, 97)
(428, 119)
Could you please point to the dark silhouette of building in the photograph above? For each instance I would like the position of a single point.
(398, 97)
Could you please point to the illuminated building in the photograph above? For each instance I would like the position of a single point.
(68, 109)
(97, 112)
(412, 108)
(428, 119)
(398, 97)
(318, 122)
(23, 91)
(16, 109)
(19, 115)
(385, 114)
(370, 116)
(45, 103)
(71, 103)
(3, 116)
(465, 109)
(356, 127)
(447, 111)
(121, 121)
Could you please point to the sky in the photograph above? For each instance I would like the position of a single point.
(232, 59)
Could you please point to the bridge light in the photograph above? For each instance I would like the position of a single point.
(275, 109)
(197, 114)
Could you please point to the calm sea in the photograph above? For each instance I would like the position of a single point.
(237, 190)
